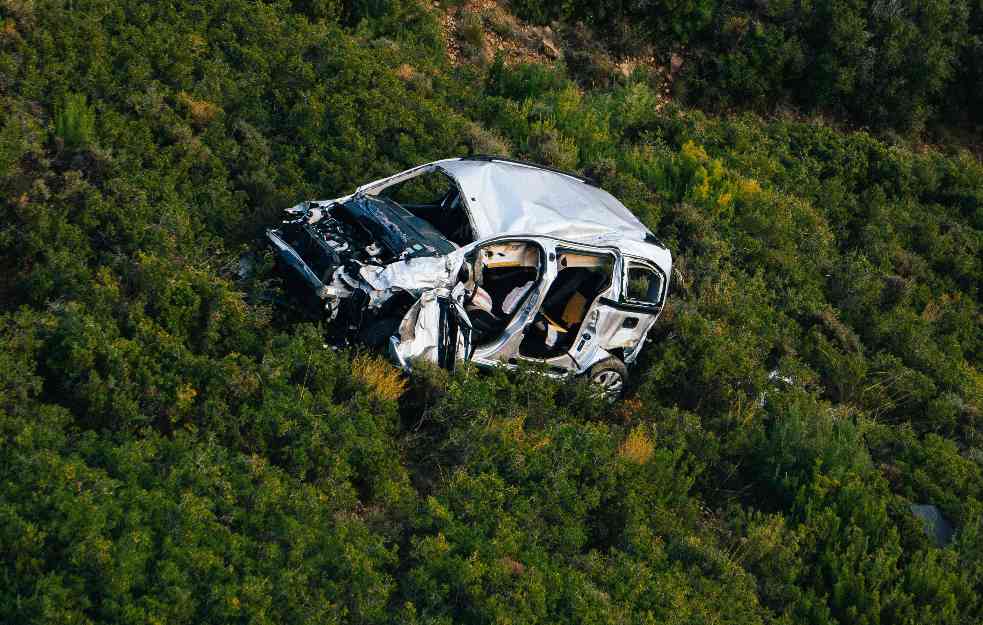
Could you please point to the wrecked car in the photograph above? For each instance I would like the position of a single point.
(483, 259)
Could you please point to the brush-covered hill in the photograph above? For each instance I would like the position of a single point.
(176, 449)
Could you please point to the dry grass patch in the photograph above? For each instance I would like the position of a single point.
(386, 380)
(637, 447)
(406, 72)
(202, 112)
(512, 566)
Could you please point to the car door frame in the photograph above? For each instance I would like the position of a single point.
(567, 363)
(501, 351)
(612, 332)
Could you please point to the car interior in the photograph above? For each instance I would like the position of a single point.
(502, 276)
(581, 278)
(435, 198)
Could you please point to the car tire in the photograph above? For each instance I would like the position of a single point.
(610, 375)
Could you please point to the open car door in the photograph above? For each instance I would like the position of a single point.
(561, 330)
(435, 329)
(621, 318)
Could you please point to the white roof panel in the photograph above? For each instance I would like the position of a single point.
(510, 198)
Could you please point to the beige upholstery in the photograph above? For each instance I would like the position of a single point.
(575, 310)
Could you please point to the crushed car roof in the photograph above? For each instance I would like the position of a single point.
(511, 197)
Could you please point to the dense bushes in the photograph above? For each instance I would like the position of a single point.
(882, 64)
(885, 65)
(177, 448)
(674, 20)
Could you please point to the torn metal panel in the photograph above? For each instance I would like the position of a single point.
(512, 198)
(507, 197)
(436, 329)
(413, 275)
(418, 336)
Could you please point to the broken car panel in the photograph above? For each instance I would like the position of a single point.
(482, 259)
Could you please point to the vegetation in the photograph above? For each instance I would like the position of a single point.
(177, 449)
(898, 64)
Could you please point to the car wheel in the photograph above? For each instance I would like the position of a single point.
(609, 376)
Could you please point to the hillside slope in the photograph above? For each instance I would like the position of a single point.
(176, 449)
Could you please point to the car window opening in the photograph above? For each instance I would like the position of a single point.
(643, 285)
(580, 279)
(504, 275)
(435, 198)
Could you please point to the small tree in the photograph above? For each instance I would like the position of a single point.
(74, 121)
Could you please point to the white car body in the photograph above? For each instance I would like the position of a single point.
(524, 249)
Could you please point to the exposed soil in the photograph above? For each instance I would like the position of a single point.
(521, 43)
(500, 32)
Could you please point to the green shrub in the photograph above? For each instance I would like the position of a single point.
(331, 10)
(482, 141)
(472, 29)
(75, 121)
(549, 146)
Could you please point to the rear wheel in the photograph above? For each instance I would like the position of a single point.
(609, 376)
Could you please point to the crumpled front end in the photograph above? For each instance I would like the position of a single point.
(382, 284)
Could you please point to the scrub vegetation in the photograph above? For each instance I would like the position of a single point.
(176, 448)
(902, 64)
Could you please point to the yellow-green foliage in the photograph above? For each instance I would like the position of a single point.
(75, 121)
(705, 179)
(637, 447)
(379, 375)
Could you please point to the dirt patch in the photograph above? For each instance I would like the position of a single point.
(500, 33)
(476, 31)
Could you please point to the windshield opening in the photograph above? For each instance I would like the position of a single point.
(395, 228)
(435, 198)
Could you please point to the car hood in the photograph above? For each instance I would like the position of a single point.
(401, 232)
